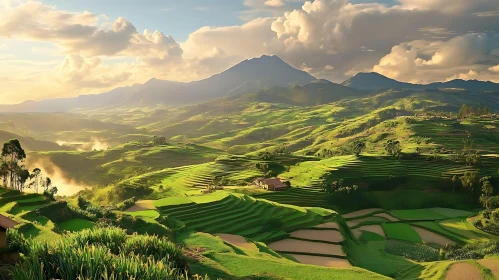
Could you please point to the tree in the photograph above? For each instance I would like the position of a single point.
(13, 153)
(36, 175)
(23, 177)
(48, 183)
(393, 147)
(470, 181)
(487, 191)
(4, 172)
(358, 146)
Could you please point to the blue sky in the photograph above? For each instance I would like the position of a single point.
(57, 48)
(177, 18)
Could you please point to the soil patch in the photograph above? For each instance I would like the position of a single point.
(322, 235)
(463, 271)
(237, 240)
(141, 206)
(387, 216)
(353, 223)
(492, 264)
(300, 246)
(328, 225)
(322, 261)
(372, 228)
(431, 237)
(361, 212)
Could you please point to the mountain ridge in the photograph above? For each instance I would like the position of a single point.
(373, 81)
(247, 76)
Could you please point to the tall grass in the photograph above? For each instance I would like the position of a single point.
(101, 253)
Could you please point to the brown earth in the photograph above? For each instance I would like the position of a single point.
(322, 235)
(372, 228)
(361, 212)
(322, 261)
(141, 206)
(492, 264)
(353, 223)
(300, 246)
(237, 240)
(328, 225)
(431, 237)
(463, 271)
(387, 216)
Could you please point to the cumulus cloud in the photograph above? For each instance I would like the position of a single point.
(80, 33)
(274, 3)
(415, 40)
(430, 61)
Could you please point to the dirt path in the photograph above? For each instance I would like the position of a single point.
(328, 225)
(361, 212)
(300, 246)
(431, 237)
(237, 240)
(322, 261)
(492, 264)
(142, 205)
(388, 216)
(372, 228)
(322, 235)
(463, 271)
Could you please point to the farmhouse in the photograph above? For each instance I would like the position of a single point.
(272, 184)
(5, 223)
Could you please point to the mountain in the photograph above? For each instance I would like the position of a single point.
(31, 144)
(315, 93)
(374, 82)
(247, 76)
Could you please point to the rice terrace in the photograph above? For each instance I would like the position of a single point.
(253, 139)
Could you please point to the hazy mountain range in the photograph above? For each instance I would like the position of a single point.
(375, 82)
(267, 78)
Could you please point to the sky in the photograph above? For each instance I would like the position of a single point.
(60, 48)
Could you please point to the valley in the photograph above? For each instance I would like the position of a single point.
(377, 179)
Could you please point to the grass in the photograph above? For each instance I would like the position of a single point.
(244, 266)
(430, 214)
(73, 225)
(145, 213)
(401, 231)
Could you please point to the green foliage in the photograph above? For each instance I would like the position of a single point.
(475, 250)
(358, 146)
(127, 203)
(412, 251)
(101, 254)
(393, 147)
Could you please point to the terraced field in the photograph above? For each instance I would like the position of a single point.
(243, 215)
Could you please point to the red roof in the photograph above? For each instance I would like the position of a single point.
(6, 222)
(275, 182)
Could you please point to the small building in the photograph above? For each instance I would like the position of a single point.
(5, 223)
(271, 184)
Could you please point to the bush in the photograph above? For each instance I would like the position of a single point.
(493, 202)
(476, 250)
(412, 251)
(127, 203)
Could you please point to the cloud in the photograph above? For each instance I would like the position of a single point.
(416, 40)
(80, 33)
(428, 61)
(274, 3)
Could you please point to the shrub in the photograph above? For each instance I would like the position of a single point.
(471, 251)
(127, 203)
(493, 202)
(413, 251)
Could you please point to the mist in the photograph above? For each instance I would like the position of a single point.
(94, 144)
(65, 185)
